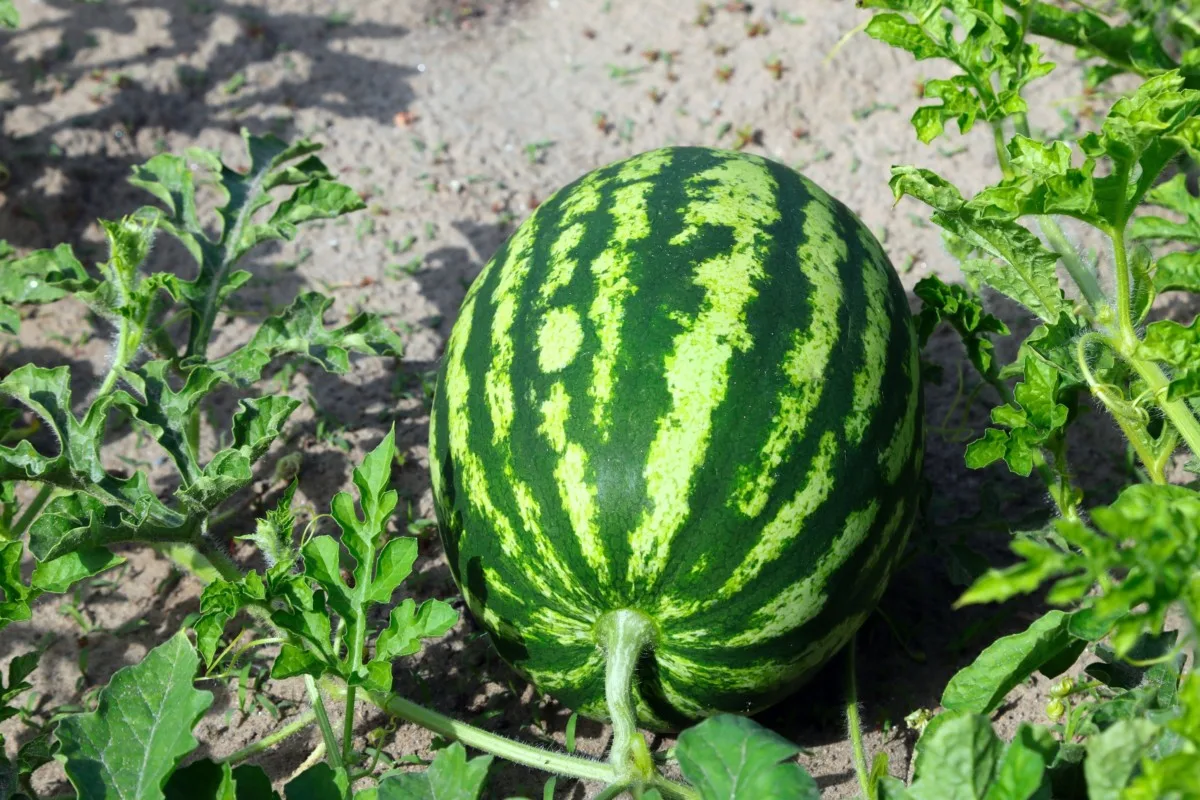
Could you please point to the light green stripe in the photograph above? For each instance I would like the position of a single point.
(435, 461)
(802, 601)
(631, 223)
(869, 378)
(562, 265)
(741, 197)
(559, 338)
(498, 381)
(796, 604)
(570, 473)
(886, 536)
(776, 536)
(458, 387)
(581, 200)
(806, 363)
(548, 680)
(677, 671)
(498, 392)
(542, 622)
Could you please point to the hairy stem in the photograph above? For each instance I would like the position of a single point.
(448, 728)
(39, 501)
(1177, 411)
(219, 559)
(1083, 276)
(1124, 291)
(267, 742)
(1134, 430)
(855, 724)
(129, 339)
(332, 752)
(624, 634)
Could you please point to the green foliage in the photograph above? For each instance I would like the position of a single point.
(140, 730)
(310, 604)
(450, 775)
(1150, 535)
(982, 686)
(1117, 570)
(963, 759)
(90, 508)
(206, 779)
(995, 60)
(734, 758)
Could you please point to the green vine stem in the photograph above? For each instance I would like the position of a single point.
(507, 749)
(333, 753)
(45, 491)
(855, 724)
(624, 635)
(448, 728)
(612, 791)
(1083, 276)
(129, 339)
(267, 742)
(1085, 279)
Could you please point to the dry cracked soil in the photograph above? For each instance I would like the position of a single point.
(453, 119)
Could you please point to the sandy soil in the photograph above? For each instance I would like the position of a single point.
(454, 119)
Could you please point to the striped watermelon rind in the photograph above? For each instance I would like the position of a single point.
(688, 386)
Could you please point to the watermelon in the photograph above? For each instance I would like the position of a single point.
(687, 386)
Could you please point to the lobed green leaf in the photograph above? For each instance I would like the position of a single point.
(734, 758)
(140, 730)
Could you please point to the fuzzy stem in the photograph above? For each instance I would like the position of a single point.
(1085, 279)
(612, 791)
(1177, 411)
(31, 511)
(447, 728)
(1124, 290)
(220, 560)
(855, 724)
(129, 338)
(624, 634)
(1080, 273)
(332, 752)
(291, 729)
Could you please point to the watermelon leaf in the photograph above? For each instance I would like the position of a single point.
(1017, 264)
(982, 685)
(318, 782)
(960, 757)
(1078, 556)
(208, 780)
(941, 302)
(450, 775)
(997, 65)
(273, 163)
(141, 728)
(1037, 415)
(300, 330)
(1114, 754)
(408, 625)
(729, 757)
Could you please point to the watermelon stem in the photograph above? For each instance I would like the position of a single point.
(625, 634)
(854, 723)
